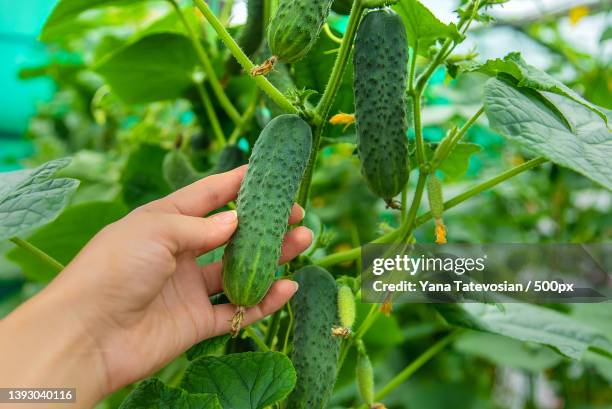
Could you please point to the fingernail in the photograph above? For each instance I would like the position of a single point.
(296, 285)
(311, 233)
(303, 212)
(228, 217)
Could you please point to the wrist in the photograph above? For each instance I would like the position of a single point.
(43, 344)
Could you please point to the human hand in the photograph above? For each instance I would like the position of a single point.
(136, 293)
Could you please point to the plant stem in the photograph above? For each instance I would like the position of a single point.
(226, 11)
(352, 254)
(211, 76)
(273, 328)
(415, 53)
(483, 186)
(261, 81)
(414, 366)
(38, 253)
(212, 115)
(418, 128)
(246, 117)
(447, 148)
(324, 105)
(253, 335)
(407, 225)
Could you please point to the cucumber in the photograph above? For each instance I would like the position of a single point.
(178, 170)
(315, 350)
(230, 158)
(251, 35)
(295, 27)
(365, 377)
(346, 306)
(380, 58)
(265, 199)
(342, 6)
(434, 193)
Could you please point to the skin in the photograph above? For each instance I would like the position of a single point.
(134, 298)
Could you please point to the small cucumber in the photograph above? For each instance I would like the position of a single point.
(230, 158)
(434, 193)
(295, 27)
(365, 377)
(315, 350)
(178, 171)
(265, 199)
(380, 58)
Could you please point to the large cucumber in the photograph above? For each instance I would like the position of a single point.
(251, 35)
(265, 199)
(380, 58)
(315, 350)
(295, 27)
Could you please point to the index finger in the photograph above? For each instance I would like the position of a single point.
(205, 195)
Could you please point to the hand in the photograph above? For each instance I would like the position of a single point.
(135, 294)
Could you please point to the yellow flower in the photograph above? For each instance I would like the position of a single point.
(578, 13)
(440, 232)
(342, 119)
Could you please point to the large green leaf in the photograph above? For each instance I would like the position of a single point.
(67, 11)
(66, 236)
(423, 26)
(154, 394)
(207, 347)
(527, 322)
(506, 351)
(156, 67)
(552, 126)
(250, 380)
(31, 198)
(530, 77)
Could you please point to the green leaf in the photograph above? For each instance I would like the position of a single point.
(457, 163)
(156, 67)
(153, 394)
(506, 351)
(543, 326)
(530, 77)
(423, 27)
(209, 346)
(65, 237)
(553, 126)
(67, 11)
(250, 380)
(31, 198)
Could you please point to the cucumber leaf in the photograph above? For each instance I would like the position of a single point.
(531, 77)
(570, 337)
(157, 67)
(31, 198)
(154, 394)
(556, 127)
(207, 347)
(423, 27)
(66, 12)
(249, 380)
(63, 238)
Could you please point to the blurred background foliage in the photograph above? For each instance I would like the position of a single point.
(56, 103)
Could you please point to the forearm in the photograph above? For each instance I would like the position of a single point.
(42, 345)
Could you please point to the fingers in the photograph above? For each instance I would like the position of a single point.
(185, 233)
(297, 214)
(280, 292)
(295, 242)
(203, 196)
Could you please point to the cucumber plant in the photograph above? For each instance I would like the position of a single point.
(367, 62)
